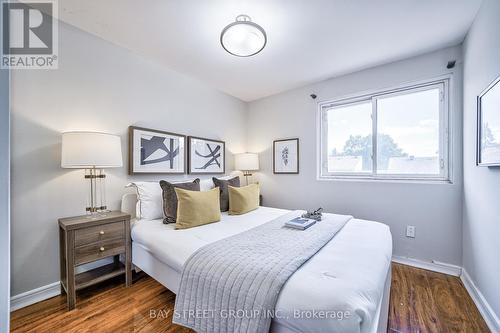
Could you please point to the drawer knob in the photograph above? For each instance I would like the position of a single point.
(101, 232)
(101, 248)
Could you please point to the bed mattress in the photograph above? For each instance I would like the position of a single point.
(338, 290)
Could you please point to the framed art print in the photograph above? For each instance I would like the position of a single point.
(286, 156)
(206, 156)
(488, 125)
(153, 151)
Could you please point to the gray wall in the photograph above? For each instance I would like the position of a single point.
(481, 210)
(435, 209)
(4, 201)
(101, 87)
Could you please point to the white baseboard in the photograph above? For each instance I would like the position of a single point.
(53, 289)
(482, 305)
(435, 266)
(34, 296)
(484, 308)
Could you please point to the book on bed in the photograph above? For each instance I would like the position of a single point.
(301, 223)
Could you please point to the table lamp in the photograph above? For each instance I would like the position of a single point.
(92, 151)
(246, 162)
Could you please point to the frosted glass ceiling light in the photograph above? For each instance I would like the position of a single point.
(243, 38)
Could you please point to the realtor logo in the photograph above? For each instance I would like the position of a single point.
(29, 35)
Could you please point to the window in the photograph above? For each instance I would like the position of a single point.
(397, 134)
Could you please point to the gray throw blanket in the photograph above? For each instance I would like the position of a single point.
(232, 285)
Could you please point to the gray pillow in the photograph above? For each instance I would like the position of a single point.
(170, 198)
(224, 192)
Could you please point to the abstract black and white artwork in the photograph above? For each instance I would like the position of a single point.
(286, 156)
(206, 155)
(488, 125)
(153, 151)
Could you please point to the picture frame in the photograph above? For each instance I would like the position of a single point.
(488, 126)
(149, 154)
(206, 156)
(286, 156)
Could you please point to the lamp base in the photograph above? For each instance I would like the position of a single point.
(247, 174)
(97, 187)
(95, 209)
(98, 215)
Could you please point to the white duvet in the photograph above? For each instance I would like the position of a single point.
(344, 279)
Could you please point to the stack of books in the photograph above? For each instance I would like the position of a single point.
(300, 223)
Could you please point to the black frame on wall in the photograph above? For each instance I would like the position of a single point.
(298, 157)
(480, 119)
(189, 158)
(131, 152)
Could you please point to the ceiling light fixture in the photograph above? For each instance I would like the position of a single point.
(243, 38)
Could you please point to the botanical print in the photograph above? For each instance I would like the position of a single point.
(154, 151)
(206, 155)
(286, 156)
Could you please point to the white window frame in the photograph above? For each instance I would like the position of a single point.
(444, 133)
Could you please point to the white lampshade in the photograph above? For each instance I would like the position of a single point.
(246, 162)
(81, 150)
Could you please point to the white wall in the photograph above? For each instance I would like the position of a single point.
(481, 228)
(102, 87)
(435, 209)
(4, 201)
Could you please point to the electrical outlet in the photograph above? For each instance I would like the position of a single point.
(410, 231)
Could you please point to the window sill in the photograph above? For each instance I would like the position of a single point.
(433, 181)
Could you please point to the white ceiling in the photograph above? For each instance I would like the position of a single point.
(308, 41)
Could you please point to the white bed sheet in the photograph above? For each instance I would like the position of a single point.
(348, 274)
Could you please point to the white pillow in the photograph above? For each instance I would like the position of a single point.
(150, 197)
(206, 184)
(138, 209)
(150, 202)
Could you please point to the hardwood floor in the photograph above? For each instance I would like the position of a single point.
(146, 306)
(421, 301)
(424, 301)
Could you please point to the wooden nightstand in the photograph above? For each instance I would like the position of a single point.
(84, 239)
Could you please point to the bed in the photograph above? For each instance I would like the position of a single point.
(350, 273)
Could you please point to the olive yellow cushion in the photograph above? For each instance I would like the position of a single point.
(195, 208)
(243, 199)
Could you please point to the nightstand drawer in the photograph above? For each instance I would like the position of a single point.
(99, 233)
(88, 253)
